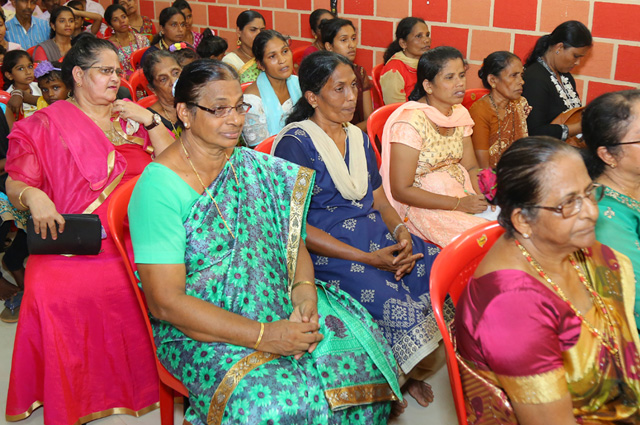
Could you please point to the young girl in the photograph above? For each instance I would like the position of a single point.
(49, 77)
(211, 46)
(17, 70)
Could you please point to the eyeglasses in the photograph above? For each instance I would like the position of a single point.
(572, 206)
(109, 70)
(223, 111)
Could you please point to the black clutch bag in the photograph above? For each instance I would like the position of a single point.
(82, 236)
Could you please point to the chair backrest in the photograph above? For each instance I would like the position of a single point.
(116, 214)
(245, 85)
(136, 57)
(375, 125)
(265, 145)
(139, 83)
(449, 276)
(375, 74)
(145, 102)
(376, 96)
(4, 96)
(471, 95)
(32, 49)
(124, 83)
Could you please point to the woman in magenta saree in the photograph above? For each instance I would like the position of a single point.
(545, 329)
(81, 347)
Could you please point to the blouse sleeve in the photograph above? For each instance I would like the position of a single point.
(291, 148)
(404, 133)
(22, 161)
(519, 336)
(156, 219)
(482, 128)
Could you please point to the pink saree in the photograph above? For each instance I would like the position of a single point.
(81, 350)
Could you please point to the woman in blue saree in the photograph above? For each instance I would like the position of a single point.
(218, 234)
(357, 241)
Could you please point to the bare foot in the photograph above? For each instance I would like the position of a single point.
(397, 408)
(421, 391)
(7, 290)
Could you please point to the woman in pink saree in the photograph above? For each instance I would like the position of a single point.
(81, 347)
(545, 329)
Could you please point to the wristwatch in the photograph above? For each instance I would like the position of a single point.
(157, 120)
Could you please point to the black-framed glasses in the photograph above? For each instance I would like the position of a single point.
(572, 206)
(109, 70)
(223, 111)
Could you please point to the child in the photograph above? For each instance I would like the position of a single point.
(50, 82)
(184, 53)
(17, 70)
(212, 46)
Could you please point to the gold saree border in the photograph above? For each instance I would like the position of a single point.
(536, 389)
(248, 64)
(296, 219)
(231, 380)
(89, 417)
(342, 398)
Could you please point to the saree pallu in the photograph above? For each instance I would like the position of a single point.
(349, 378)
(604, 387)
(81, 349)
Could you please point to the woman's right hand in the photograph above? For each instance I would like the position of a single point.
(289, 338)
(472, 204)
(44, 213)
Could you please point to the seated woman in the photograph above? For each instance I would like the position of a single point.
(124, 38)
(275, 91)
(161, 69)
(501, 116)
(62, 23)
(316, 18)
(81, 347)
(356, 239)
(611, 125)
(211, 46)
(339, 35)
(191, 37)
(545, 326)
(428, 167)
(399, 74)
(139, 23)
(172, 30)
(236, 312)
(549, 86)
(248, 25)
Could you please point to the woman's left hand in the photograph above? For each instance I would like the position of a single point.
(132, 111)
(305, 312)
(404, 254)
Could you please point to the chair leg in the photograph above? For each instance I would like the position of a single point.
(166, 405)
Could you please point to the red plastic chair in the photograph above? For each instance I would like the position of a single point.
(265, 145)
(376, 96)
(136, 56)
(471, 95)
(145, 102)
(32, 49)
(139, 83)
(449, 275)
(375, 125)
(116, 214)
(245, 85)
(4, 96)
(124, 83)
(375, 75)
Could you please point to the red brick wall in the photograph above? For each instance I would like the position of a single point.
(476, 27)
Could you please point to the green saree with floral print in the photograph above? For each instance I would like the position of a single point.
(351, 375)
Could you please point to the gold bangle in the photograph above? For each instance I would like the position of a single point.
(259, 336)
(457, 205)
(20, 196)
(304, 282)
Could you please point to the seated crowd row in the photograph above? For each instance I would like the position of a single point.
(294, 287)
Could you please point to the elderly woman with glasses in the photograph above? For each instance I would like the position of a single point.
(545, 327)
(611, 130)
(81, 347)
(219, 239)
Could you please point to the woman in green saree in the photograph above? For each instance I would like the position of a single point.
(236, 312)
(611, 130)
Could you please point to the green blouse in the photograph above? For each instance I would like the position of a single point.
(619, 227)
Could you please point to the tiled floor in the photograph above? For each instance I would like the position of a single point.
(440, 412)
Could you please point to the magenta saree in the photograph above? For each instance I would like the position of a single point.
(81, 348)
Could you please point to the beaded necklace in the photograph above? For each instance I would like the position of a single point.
(611, 346)
(205, 187)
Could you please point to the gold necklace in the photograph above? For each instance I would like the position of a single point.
(205, 187)
(513, 117)
(611, 346)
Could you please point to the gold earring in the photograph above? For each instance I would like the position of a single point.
(612, 165)
(429, 91)
(238, 42)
